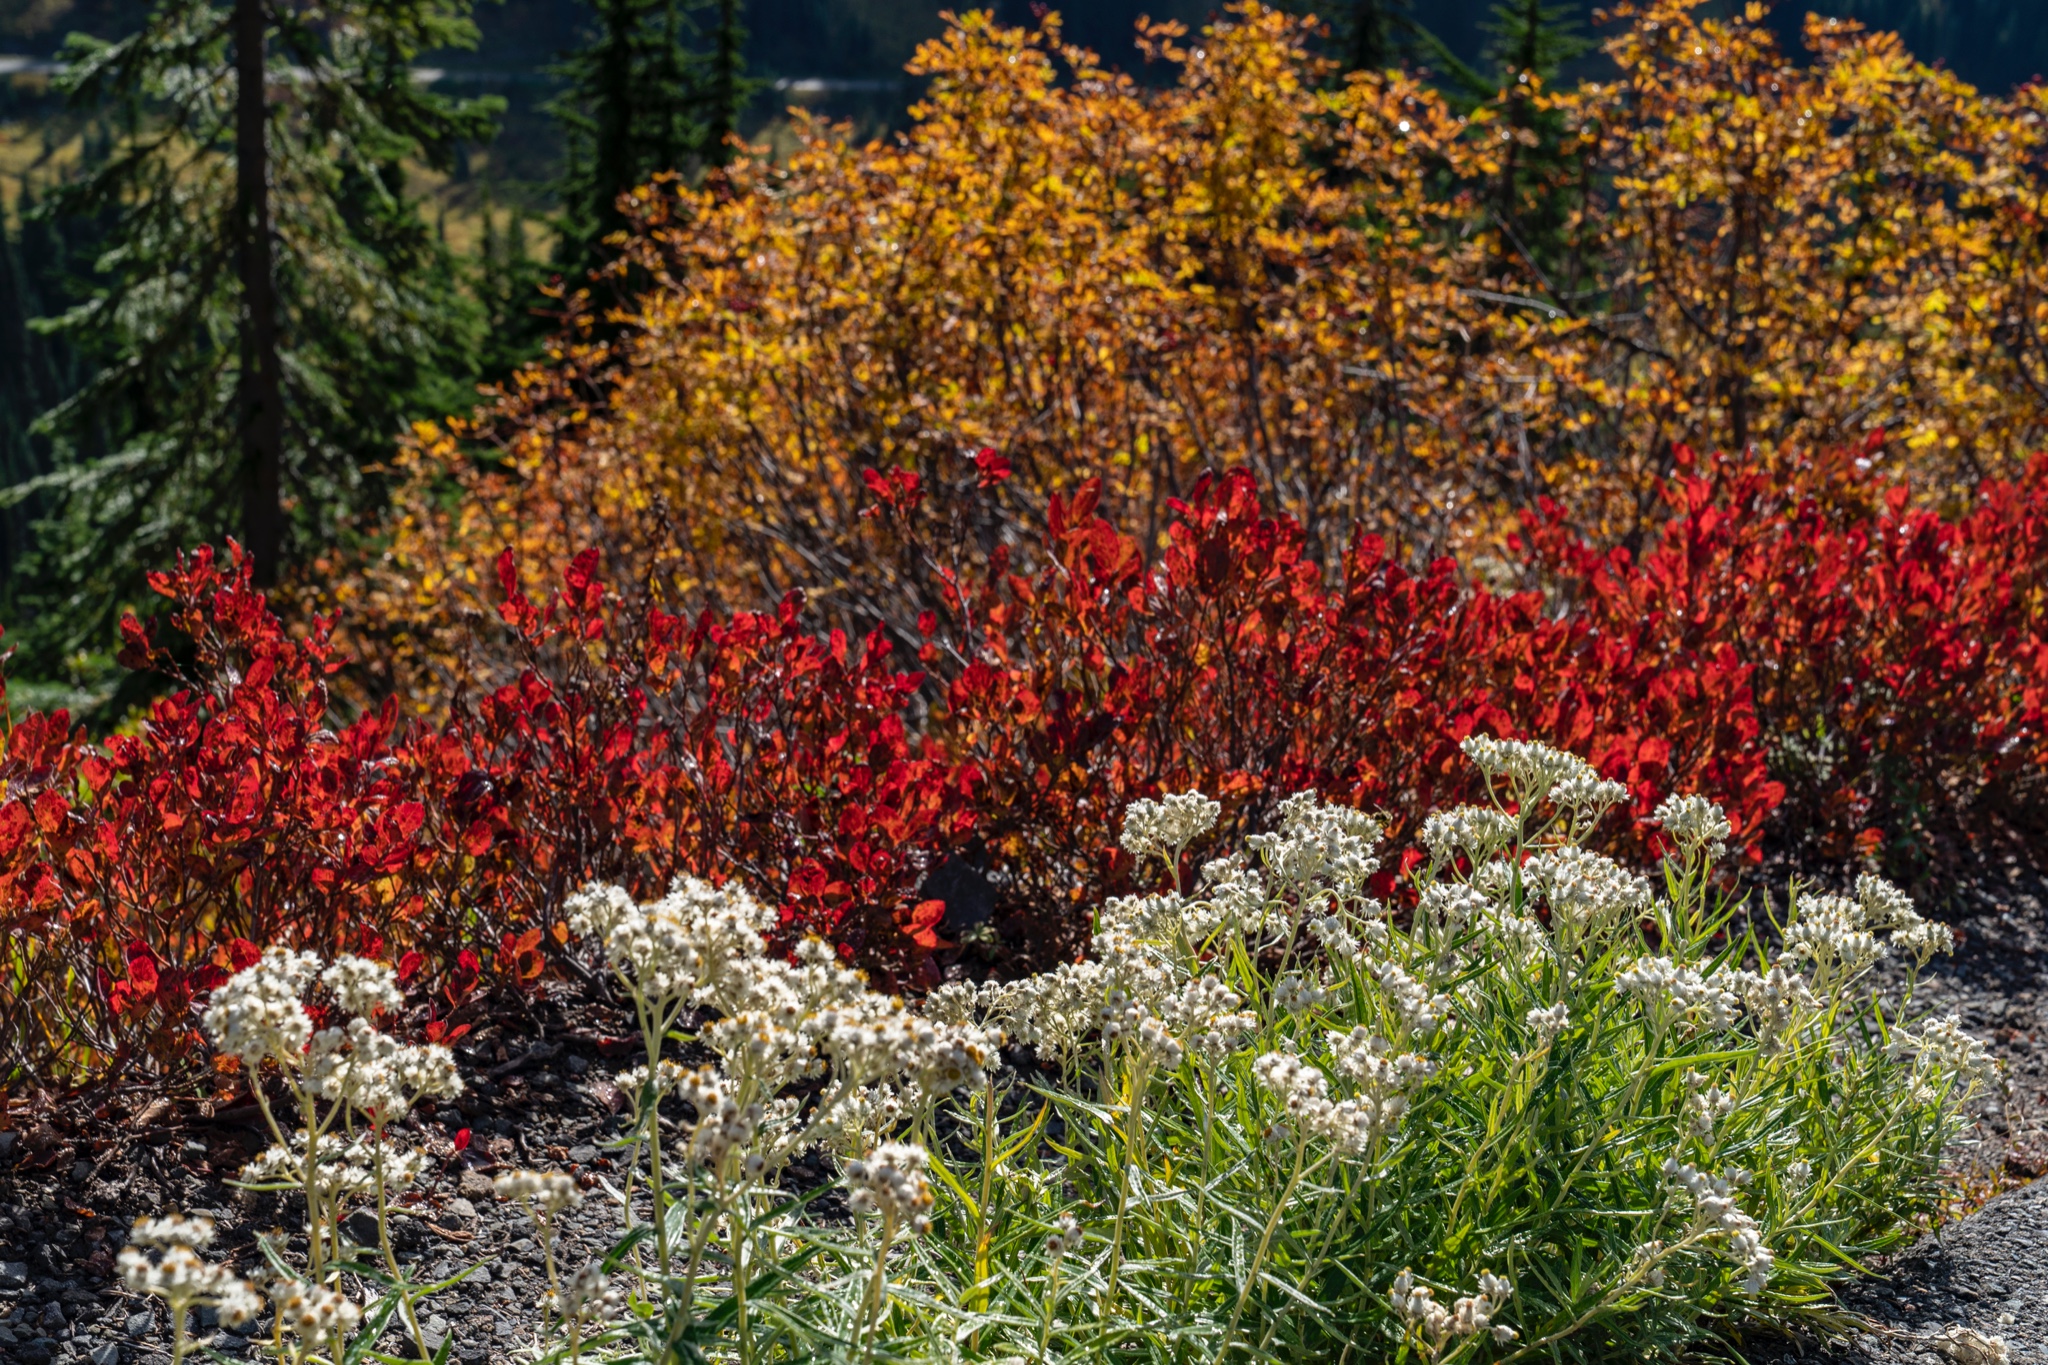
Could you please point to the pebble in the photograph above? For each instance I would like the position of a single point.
(140, 1323)
(13, 1274)
(106, 1353)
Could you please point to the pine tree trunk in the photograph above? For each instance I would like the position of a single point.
(260, 396)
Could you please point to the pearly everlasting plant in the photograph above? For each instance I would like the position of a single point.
(1501, 1100)
(345, 1086)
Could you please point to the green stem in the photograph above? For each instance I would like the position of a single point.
(1052, 1298)
(1134, 1156)
(1251, 1276)
(391, 1258)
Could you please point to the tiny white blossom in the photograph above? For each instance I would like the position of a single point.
(1695, 824)
(362, 987)
(890, 1181)
(1163, 828)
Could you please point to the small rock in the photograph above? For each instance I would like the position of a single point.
(361, 1226)
(106, 1353)
(461, 1207)
(194, 1150)
(13, 1274)
(583, 1155)
(482, 1276)
(7, 1141)
(577, 1065)
(474, 1184)
(140, 1324)
(81, 1171)
(52, 1317)
(41, 1351)
(525, 1246)
(7, 1337)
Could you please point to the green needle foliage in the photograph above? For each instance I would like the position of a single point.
(269, 308)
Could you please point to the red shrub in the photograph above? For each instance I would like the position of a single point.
(1781, 615)
(632, 746)
(1228, 667)
(1899, 658)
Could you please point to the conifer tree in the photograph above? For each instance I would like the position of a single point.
(1532, 43)
(272, 307)
(506, 281)
(1375, 34)
(643, 96)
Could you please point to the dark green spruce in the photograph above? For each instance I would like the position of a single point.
(270, 308)
(650, 91)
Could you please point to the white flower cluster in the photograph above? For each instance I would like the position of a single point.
(1416, 1305)
(1588, 893)
(1382, 1077)
(1778, 1001)
(1324, 847)
(345, 1171)
(1209, 1017)
(777, 1023)
(1304, 1094)
(544, 1193)
(1715, 1215)
(1164, 828)
(362, 987)
(178, 1275)
(320, 1316)
(890, 1181)
(590, 1296)
(258, 1012)
(1838, 934)
(1695, 824)
(1064, 1239)
(1421, 1013)
(1478, 831)
(1705, 1106)
(1670, 992)
(1535, 772)
(1941, 1045)
(1829, 931)
(375, 1074)
(1548, 1023)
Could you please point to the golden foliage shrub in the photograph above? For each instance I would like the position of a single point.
(1400, 317)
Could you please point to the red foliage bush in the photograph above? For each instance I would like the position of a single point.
(1790, 625)
(632, 745)
(1229, 667)
(1898, 658)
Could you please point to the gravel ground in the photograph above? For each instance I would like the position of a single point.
(72, 1181)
